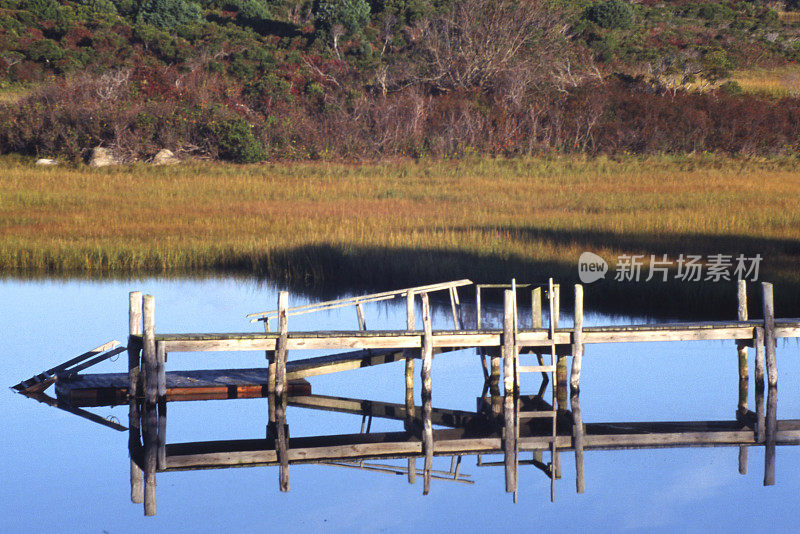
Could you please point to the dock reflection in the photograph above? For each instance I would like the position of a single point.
(457, 434)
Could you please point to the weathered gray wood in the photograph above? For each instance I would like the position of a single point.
(769, 334)
(281, 355)
(362, 323)
(134, 435)
(134, 346)
(427, 361)
(409, 368)
(161, 361)
(770, 438)
(478, 308)
(577, 440)
(150, 435)
(744, 376)
(577, 340)
(149, 349)
(509, 387)
(536, 308)
(759, 385)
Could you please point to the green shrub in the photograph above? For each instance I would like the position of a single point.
(611, 14)
(43, 9)
(731, 88)
(167, 14)
(45, 50)
(237, 142)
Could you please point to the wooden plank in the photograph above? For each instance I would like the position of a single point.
(427, 361)
(409, 376)
(149, 349)
(161, 361)
(536, 308)
(281, 355)
(744, 376)
(769, 334)
(759, 384)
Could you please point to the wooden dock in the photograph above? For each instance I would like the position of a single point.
(506, 420)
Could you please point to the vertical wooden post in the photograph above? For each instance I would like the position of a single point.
(536, 308)
(744, 375)
(477, 308)
(281, 355)
(577, 340)
(161, 360)
(509, 386)
(134, 347)
(759, 383)
(455, 305)
(769, 334)
(149, 349)
(427, 361)
(150, 435)
(561, 362)
(409, 422)
(270, 357)
(362, 323)
(134, 358)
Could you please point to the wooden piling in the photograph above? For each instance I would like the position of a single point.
(281, 355)
(134, 347)
(134, 359)
(509, 387)
(149, 349)
(577, 341)
(161, 361)
(744, 377)
(427, 361)
(409, 354)
(561, 363)
(758, 341)
(536, 308)
(150, 435)
(769, 334)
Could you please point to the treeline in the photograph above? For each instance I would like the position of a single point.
(247, 80)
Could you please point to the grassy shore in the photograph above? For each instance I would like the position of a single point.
(388, 224)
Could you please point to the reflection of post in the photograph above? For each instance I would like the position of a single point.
(270, 356)
(577, 440)
(150, 458)
(134, 435)
(161, 361)
(409, 354)
(162, 434)
(509, 349)
(149, 350)
(427, 360)
(561, 365)
(281, 355)
(744, 376)
(134, 351)
(769, 445)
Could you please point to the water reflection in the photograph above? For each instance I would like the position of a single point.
(458, 434)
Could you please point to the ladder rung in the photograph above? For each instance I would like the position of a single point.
(539, 413)
(536, 368)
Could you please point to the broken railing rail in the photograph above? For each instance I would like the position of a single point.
(42, 381)
(363, 299)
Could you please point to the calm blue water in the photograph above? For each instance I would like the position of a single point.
(62, 473)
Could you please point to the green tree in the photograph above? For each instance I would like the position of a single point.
(611, 14)
(167, 14)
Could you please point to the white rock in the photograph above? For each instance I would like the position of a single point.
(46, 161)
(102, 157)
(164, 157)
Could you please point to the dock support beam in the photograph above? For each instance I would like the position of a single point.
(575, 378)
(772, 381)
(281, 355)
(149, 350)
(134, 359)
(425, 375)
(744, 375)
(411, 325)
(509, 387)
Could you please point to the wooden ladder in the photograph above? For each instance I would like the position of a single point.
(550, 369)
